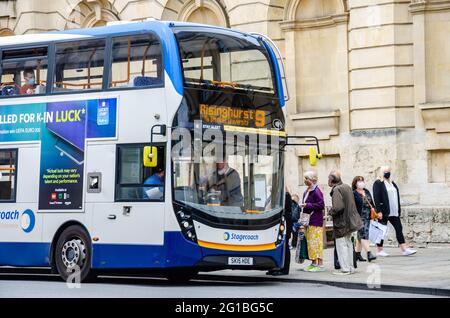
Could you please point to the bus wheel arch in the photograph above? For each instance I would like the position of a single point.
(82, 248)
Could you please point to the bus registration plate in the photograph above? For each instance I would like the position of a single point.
(240, 261)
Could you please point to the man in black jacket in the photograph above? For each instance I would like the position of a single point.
(287, 253)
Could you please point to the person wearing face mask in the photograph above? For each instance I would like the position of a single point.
(364, 201)
(387, 201)
(30, 82)
(227, 181)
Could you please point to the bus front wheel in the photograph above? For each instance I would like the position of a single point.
(73, 255)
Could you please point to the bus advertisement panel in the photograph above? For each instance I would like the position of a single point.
(62, 128)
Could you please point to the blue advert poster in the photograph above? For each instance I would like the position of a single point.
(62, 156)
(63, 129)
(64, 132)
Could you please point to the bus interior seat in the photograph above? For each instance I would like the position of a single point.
(9, 90)
(141, 81)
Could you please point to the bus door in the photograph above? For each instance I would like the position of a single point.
(130, 231)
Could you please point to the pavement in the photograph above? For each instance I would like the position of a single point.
(427, 272)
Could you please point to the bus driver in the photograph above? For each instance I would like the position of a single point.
(227, 181)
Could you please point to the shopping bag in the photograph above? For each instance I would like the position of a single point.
(301, 250)
(377, 232)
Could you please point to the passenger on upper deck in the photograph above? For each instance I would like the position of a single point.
(30, 82)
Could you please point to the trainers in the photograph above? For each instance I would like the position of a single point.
(341, 273)
(308, 268)
(317, 269)
(382, 254)
(409, 251)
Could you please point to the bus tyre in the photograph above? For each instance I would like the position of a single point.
(73, 255)
(181, 276)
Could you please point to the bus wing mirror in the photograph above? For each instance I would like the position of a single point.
(314, 156)
(150, 157)
(312, 141)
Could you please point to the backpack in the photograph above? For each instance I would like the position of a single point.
(295, 212)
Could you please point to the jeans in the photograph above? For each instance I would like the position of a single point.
(344, 248)
(395, 221)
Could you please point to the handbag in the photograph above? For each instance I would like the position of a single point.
(301, 250)
(304, 217)
(377, 232)
(373, 212)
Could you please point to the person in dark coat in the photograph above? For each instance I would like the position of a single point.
(295, 217)
(364, 202)
(289, 224)
(387, 201)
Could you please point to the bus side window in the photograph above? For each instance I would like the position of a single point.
(136, 182)
(8, 173)
(136, 61)
(79, 65)
(23, 72)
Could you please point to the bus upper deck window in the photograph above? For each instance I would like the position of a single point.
(136, 61)
(23, 72)
(79, 65)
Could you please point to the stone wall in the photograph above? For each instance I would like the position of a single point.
(423, 226)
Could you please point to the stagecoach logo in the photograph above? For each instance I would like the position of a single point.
(240, 237)
(25, 220)
(277, 124)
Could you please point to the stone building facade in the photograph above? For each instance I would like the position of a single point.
(370, 78)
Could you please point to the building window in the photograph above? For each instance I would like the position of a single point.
(134, 182)
(136, 61)
(23, 72)
(79, 66)
(8, 173)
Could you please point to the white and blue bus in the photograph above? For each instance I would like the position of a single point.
(88, 179)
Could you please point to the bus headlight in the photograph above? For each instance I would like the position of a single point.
(186, 223)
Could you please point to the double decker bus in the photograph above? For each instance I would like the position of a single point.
(105, 150)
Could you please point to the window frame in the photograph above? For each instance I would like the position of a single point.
(14, 199)
(105, 66)
(51, 54)
(237, 34)
(110, 51)
(118, 169)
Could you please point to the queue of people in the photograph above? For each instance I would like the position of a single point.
(352, 209)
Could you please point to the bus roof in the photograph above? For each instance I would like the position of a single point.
(159, 27)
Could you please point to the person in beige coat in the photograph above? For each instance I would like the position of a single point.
(346, 221)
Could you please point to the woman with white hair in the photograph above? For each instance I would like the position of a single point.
(313, 205)
(387, 201)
